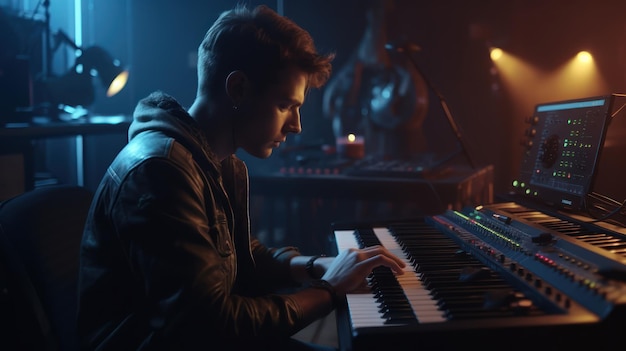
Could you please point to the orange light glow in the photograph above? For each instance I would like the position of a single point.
(495, 53)
(584, 56)
(529, 85)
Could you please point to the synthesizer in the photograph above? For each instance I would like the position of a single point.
(500, 276)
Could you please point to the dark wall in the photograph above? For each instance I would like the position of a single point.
(158, 40)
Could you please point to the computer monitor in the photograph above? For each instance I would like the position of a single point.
(562, 146)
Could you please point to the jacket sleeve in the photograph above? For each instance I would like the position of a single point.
(273, 270)
(270, 269)
(183, 261)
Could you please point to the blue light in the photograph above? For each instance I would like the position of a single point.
(571, 105)
(78, 39)
(78, 23)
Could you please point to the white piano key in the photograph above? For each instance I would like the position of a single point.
(418, 296)
(364, 310)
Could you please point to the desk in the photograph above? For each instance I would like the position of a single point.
(17, 155)
(308, 203)
(44, 129)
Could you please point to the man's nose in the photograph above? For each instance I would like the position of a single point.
(294, 124)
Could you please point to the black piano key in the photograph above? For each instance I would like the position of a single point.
(458, 281)
(462, 286)
(394, 306)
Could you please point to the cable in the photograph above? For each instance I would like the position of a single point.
(618, 110)
(601, 205)
(601, 201)
(610, 214)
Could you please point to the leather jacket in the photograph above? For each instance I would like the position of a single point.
(167, 259)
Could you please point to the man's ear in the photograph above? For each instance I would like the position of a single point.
(237, 85)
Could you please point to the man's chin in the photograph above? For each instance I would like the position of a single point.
(266, 153)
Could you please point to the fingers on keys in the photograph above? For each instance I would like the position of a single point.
(382, 256)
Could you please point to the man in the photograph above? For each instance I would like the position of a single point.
(167, 259)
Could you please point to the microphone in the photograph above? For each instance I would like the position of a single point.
(403, 47)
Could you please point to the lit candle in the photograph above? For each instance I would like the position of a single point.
(351, 146)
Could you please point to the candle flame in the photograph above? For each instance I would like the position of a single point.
(351, 138)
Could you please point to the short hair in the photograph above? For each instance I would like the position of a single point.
(260, 43)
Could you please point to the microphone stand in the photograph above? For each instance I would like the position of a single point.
(442, 101)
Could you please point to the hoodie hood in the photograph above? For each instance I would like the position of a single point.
(161, 112)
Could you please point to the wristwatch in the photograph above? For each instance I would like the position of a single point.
(310, 267)
(323, 284)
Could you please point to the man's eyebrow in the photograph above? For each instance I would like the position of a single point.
(293, 101)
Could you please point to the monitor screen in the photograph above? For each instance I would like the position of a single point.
(563, 143)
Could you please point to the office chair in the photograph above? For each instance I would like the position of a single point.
(40, 233)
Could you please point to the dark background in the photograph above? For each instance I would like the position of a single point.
(157, 40)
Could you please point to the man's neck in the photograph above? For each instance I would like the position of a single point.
(215, 125)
